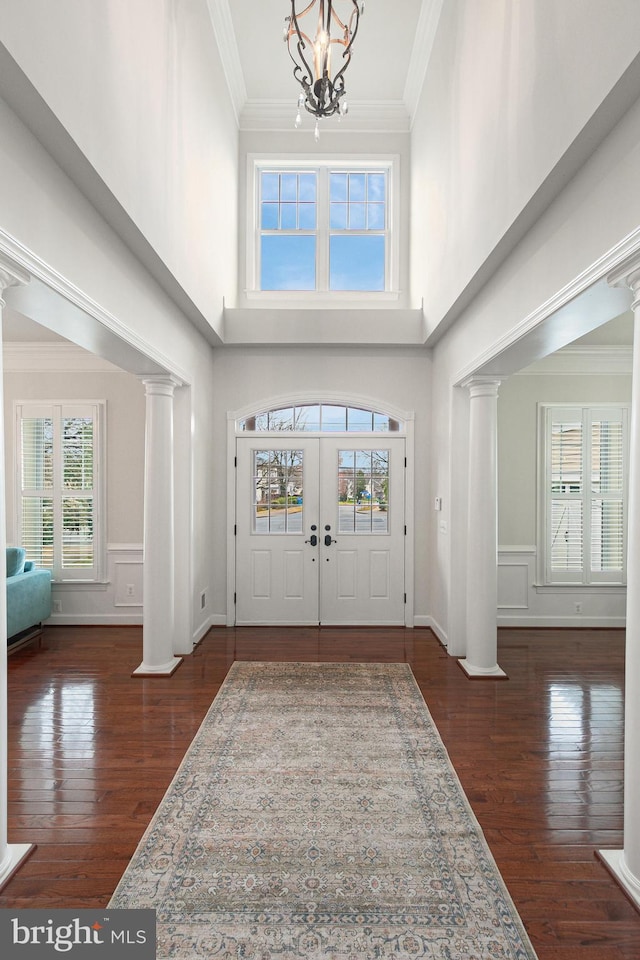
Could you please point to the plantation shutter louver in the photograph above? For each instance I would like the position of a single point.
(586, 450)
(566, 503)
(58, 502)
(607, 487)
(37, 489)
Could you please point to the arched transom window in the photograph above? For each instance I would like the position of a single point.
(320, 418)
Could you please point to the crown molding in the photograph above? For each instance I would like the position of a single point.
(222, 22)
(598, 272)
(427, 26)
(389, 116)
(39, 270)
(35, 357)
(584, 360)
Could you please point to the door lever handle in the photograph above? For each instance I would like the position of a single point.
(328, 541)
(313, 540)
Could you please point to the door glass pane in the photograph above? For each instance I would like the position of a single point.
(363, 491)
(277, 491)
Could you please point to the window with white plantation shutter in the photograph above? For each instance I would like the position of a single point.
(584, 478)
(59, 502)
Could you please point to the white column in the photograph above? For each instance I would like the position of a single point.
(159, 537)
(11, 855)
(625, 864)
(482, 543)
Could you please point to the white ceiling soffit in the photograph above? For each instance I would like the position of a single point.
(259, 72)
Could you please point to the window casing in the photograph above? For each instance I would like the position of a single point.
(318, 228)
(583, 487)
(60, 500)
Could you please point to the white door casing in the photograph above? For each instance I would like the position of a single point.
(320, 524)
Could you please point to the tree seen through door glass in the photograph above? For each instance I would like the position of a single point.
(363, 491)
(278, 491)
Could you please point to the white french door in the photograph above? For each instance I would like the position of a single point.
(320, 530)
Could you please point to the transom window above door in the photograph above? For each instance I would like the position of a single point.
(322, 228)
(320, 418)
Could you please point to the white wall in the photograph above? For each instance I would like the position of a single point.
(47, 222)
(125, 412)
(140, 89)
(509, 87)
(331, 143)
(519, 601)
(109, 602)
(594, 213)
(251, 376)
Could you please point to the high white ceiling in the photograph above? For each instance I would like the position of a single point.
(389, 59)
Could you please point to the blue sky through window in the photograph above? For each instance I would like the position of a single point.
(352, 244)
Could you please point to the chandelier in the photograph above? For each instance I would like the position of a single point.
(322, 80)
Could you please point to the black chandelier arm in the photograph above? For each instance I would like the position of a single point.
(298, 71)
(338, 20)
(302, 12)
(339, 77)
(322, 93)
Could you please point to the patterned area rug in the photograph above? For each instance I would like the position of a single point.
(317, 815)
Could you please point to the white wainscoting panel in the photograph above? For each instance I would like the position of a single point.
(523, 603)
(116, 600)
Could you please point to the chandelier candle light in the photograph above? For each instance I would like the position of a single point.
(322, 93)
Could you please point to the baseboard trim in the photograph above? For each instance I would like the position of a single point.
(201, 632)
(218, 620)
(93, 619)
(421, 620)
(611, 623)
(433, 624)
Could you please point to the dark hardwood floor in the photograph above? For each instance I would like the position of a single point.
(92, 751)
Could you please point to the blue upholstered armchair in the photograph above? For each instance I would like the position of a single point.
(28, 598)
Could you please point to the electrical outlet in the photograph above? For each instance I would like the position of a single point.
(578, 607)
(56, 606)
(131, 590)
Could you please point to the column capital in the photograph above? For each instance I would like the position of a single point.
(161, 384)
(627, 274)
(11, 274)
(479, 386)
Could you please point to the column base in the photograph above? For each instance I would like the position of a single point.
(614, 862)
(482, 673)
(161, 670)
(17, 853)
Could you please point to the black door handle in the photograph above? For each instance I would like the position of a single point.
(313, 540)
(328, 541)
